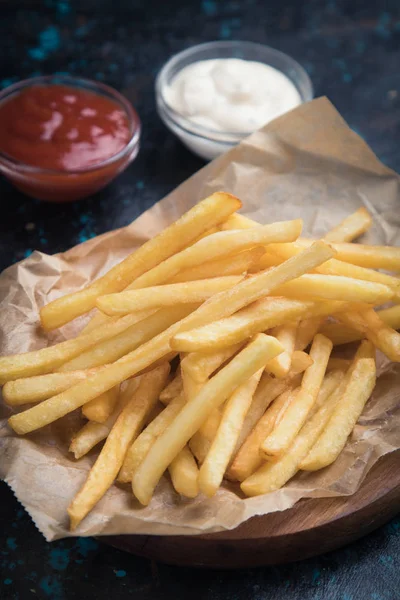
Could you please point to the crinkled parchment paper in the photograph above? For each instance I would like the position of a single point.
(306, 164)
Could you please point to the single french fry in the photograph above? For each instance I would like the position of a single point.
(258, 317)
(300, 362)
(38, 362)
(286, 335)
(223, 445)
(344, 334)
(296, 414)
(274, 474)
(164, 295)
(100, 408)
(307, 330)
(343, 269)
(345, 416)
(335, 287)
(145, 440)
(196, 411)
(108, 351)
(40, 387)
(236, 264)
(248, 459)
(124, 431)
(184, 474)
(173, 388)
(219, 306)
(93, 433)
(267, 261)
(237, 221)
(206, 214)
(371, 257)
(200, 365)
(351, 227)
(368, 322)
(200, 446)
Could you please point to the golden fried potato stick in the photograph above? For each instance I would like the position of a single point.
(93, 433)
(100, 408)
(200, 365)
(38, 362)
(173, 388)
(248, 459)
(235, 264)
(344, 418)
(40, 387)
(307, 330)
(184, 474)
(368, 322)
(108, 351)
(286, 334)
(140, 447)
(165, 295)
(125, 429)
(296, 414)
(195, 412)
(258, 317)
(300, 362)
(274, 474)
(219, 306)
(343, 334)
(351, 227)
(236, 221)
(335, 287)
(204, 215)
(223, 445)
(200, 446)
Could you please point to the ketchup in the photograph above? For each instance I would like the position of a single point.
(56, 138)
(57, 127)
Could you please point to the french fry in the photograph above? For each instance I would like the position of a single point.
(345, 416)
(258, 317)
(368, 322)
(371, 257)
(208, 213)
(45, 360)
(40, 387)
(108, 351)
(300, 362)
(248, 459)
(236, 264)
(267, 261)
(164, 295)
(100, 408)
(274, 474)
(296, 414)
(223, 445)
(184, 474)
(200, 365)
(200, 446)
(196, 411)
(140, 447)
(307, 330)
(124, 431)
(335, 287)
(351, 227)
(173, 388)
(342, 334)
(237, 221)
(93, 433)
(286, 335)
(219, 306)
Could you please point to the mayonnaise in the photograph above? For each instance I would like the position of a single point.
(230, 94)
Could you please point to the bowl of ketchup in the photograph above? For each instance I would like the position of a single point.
(64, 138)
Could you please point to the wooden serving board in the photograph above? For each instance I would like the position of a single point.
(311, 527)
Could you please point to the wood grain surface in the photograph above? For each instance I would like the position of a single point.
(310, 528)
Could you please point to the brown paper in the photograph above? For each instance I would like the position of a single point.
(306, 164)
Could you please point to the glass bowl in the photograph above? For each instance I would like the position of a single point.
(56, 185)
(209, 143)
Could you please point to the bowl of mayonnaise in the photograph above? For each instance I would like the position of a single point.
(213, 95)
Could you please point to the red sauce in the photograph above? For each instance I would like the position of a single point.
(55, 139)
(60, 127)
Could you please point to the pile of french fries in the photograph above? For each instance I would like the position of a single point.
(208, 355)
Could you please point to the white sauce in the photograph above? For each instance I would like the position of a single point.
(231, 95)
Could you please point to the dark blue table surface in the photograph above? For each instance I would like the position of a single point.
(352, 52)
